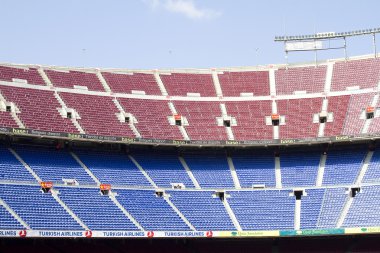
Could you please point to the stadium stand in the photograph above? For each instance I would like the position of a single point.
(203, 210)
(96, 211)
(38, 109)
(212, 171)
(126, 83)
(53, 165)
(338, 106)
(372, 174)
(152, 118)
(151, 211)
(250, 117)
(163, 167)
(180, 84)
(6, 119)
(254, 168)
(7, 221)
(112, 168)
(39, 210)
(299, 117)
(11, 169)
(70, 79)
(364, 73)
(98, 114)
(263, 210)
(202, 119)
(309, 79)
(30, 75)
(235, 83)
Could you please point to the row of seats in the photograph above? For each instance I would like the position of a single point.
(298, 167)
(311, 79)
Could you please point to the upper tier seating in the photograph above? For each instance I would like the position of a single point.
(98, 114)
(374, 126)
(11, 169)
(7, 221)
(39, 109)
(164, 168)
(39, 210)
(203, 210)
(126, 83)
(250, 117)
(179, 84)
(299, 117)
(299, 167)
(96, 211)
(211, 171)
(309, 79)
(31, 75)
(363, 73)
(343, 165)
(365, 208)
(69, 79)
(113, 168)
(152, 212)
(263, 210)
(353, 124)
(202, 119)
(235, 83)
(53, 165)
(254, 168)
(338, 106)
(6, 119)
(152, 118)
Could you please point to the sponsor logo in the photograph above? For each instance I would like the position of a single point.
(88, 234)
(179, 142)
(126, 139)
(340, 138)
(288, 141)
(232, 143)
(19, 131)
(150, 234)
(74, 136)
(22, 233)
(209, 234)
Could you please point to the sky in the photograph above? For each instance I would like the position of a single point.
(162, 34)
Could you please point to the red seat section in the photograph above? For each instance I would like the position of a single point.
(125, 83)
(309, 79)
(364, 73)
(67, 79)
(338, 106)
(234, 83)
(152, 117)
(299, 117)
(201, 116)
(179, 84)
(353, 124)
(31, 75)
(6, 120)
(250, 117)
(39, 109)
(98, 114)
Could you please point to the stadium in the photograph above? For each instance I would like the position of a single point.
(269, 158)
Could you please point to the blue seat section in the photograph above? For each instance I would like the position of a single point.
(264, 209)
(113, 168)
(11, 169)
(163, 168)
(210, 169)
(203, 211)
(332, 206)
(310, 207)
(7, 221)
(299, 167)
(372, 174)
(98, 212)
(53, 165)
(254, 168)
(39, 210)
(365, 208)
(343, 165)
(152, 212)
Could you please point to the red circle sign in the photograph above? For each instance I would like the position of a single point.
(209, 234)
(22, 233)
(150, 234)
(88, 234)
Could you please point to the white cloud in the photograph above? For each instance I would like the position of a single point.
(184, 7)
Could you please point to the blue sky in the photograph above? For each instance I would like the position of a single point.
(154, 34)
